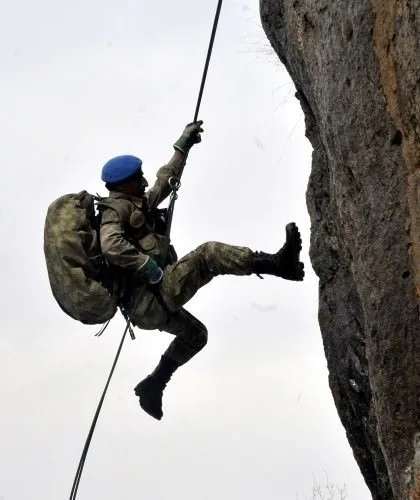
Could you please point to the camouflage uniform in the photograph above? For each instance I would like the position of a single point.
(129, 234)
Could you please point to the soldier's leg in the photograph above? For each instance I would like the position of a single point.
(184, 278)
(190, 338)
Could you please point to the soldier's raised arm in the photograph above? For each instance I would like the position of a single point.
(161, 188)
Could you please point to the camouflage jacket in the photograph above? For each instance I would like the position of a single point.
(130, 229)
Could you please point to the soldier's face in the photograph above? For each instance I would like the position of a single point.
(136, 186)
(142, 183)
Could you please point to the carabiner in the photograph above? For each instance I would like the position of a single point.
(174, 183)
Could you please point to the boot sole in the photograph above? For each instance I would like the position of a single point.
(294, 244)
(146, 402)
(294, 239)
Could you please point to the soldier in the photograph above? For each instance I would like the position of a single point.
(132, 243)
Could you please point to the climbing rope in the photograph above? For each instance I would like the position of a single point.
(95, 419)
(175, 184)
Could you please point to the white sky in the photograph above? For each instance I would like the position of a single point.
(251, 416)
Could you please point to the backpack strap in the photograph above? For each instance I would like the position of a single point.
(121, 206)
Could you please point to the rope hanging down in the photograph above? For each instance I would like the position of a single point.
(95, 419)
(175, 184)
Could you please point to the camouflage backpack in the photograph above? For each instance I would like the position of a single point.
(79, 278)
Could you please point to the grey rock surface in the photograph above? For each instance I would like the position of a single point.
(356, 68)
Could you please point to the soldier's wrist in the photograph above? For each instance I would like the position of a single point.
(183, 144)
(151, 271)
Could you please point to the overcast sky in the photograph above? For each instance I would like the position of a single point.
(251, 416)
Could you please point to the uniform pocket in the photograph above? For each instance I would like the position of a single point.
(148, 243)
(137, 219)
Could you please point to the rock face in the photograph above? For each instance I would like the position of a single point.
(356, 67)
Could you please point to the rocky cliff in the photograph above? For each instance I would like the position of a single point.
(356, 68)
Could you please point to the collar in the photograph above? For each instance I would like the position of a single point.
(124, 196)
(137, 201)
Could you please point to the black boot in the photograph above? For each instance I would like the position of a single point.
(285, 263)
(150, 390)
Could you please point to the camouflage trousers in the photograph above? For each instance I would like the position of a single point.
(162, 307)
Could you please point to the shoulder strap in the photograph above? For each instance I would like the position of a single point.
(119, 205)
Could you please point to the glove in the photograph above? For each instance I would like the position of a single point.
(190, 136)
(151, 271)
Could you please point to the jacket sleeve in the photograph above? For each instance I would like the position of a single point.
(161, 189)
(117, 250)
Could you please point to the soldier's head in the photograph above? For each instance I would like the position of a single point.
(124, 174)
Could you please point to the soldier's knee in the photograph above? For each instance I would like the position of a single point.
(202, 338)
(208, 248)
(188, 328)
(199, 336)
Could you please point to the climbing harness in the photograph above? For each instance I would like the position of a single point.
(175, 184)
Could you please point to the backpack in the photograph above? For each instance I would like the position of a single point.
(80, 280)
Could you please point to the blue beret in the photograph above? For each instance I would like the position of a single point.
(119, 168)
